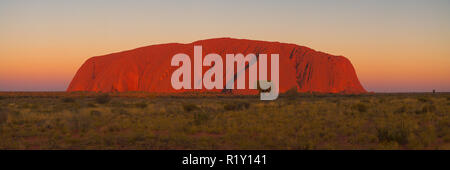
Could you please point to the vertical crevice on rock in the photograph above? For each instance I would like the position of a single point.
(93, 71)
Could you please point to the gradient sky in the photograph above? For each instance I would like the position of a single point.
(395, 46)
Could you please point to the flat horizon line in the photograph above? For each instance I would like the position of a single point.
(58, 91)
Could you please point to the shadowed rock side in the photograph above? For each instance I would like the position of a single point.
(148, 68)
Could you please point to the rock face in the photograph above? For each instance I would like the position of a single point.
(148, 68)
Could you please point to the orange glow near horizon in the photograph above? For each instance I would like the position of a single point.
(394, 46)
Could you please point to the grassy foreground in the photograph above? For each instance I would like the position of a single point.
(294, 121)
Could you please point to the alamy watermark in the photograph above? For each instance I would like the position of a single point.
(269, 89)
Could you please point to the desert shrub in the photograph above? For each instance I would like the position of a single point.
(141, 105)
(68, 100)
(72, 107)
(236, 106)
(3, 115)
(361, 107)
(365, 100)
(427, 108)
(335, 100)
(388, 134)
(423, 99)
(291, 93)
(79, 123)
(91, 105)
(402, 109)
(311, 122)
(190, 107)
(201, 118)
(119, 103)
(103, 99)
(120, 111)
(96, 113)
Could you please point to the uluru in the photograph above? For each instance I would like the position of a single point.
(149, 68)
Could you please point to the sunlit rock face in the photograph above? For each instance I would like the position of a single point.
(149, 68)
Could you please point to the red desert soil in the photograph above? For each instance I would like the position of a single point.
(148, 68)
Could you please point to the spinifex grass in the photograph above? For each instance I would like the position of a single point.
(294, 121)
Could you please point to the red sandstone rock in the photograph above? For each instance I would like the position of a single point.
(148, 68)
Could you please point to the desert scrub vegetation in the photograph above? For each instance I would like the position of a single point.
(236, 106)
(294, 121)
(103, 98)
(190, 107)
